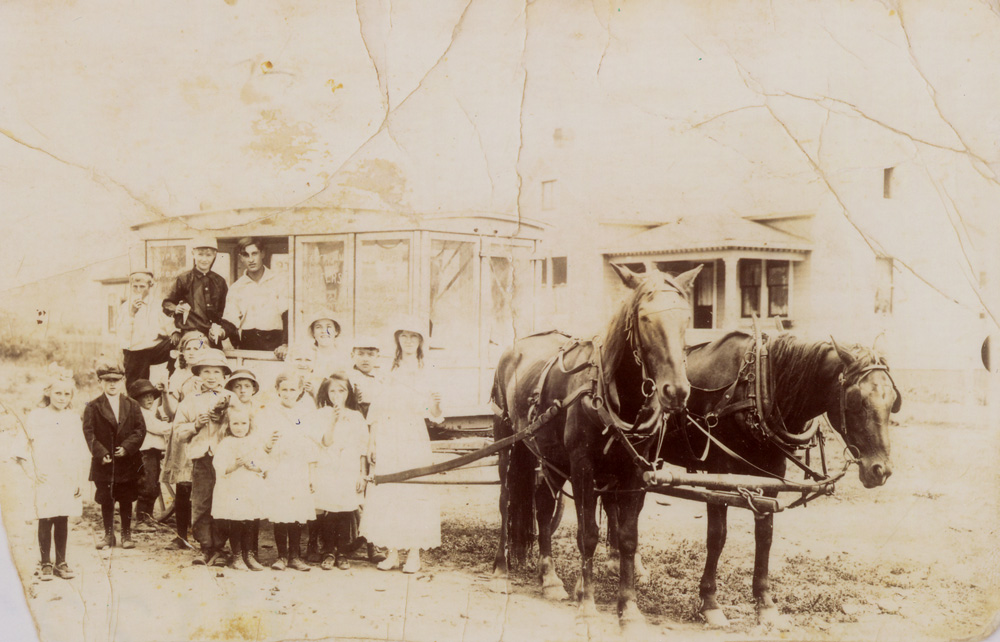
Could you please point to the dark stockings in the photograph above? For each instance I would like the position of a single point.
(46, 527)
(237, 537)
(124, 512)
(182, 509)
(337, 531)
(287, 539)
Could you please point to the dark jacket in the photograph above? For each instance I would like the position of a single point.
(206, 293)
(104, 435)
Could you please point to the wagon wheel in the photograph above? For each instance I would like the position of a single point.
(164, 506)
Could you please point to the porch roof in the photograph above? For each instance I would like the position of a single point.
(699, 233)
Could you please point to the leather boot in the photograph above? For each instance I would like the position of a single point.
(127, 538)
(108, 541)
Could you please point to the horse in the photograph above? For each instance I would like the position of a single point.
(636, 371)
(851, 385)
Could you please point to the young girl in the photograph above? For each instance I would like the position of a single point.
(176, 468)
(239, 484)
(56, 466)
(285, 431)
(339, 475)
(403, 515)
(329, 357)
(243, 384)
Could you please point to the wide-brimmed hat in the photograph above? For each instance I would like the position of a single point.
(108, 366)
(205, 241)
(324, 315)
(210, 357)
(191, 335)
(243, 374)
(411, 323)
(365, 341)
(142, 387)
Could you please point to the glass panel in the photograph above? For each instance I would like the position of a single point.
(167, 263)
(323, 282)
(750, 271)
(453, 295)
(559, 270)
(510, 297)
(704, 297)
(382, 285)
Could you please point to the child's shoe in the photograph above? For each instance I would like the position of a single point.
(298, 564)
(390, 562)
(279, 565)
(343, 564)
(412, 562)
(219, 558)
(45, 573)
(329, 563)
(127, 539)
(375, 554)
(64, 571)
(252, 563)
(200, 559)
(238, 564)
(108, 541)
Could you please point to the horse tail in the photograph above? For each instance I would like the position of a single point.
(517, 477)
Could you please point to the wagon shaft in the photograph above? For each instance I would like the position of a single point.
(760, 504)
(730, 482)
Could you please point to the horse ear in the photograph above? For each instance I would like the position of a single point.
(844, 355)
(879, 343)
(628, 277)
(686, 280)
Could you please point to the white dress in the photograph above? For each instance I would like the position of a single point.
(287, 497)
(238, 495)
(402, 515)
(57, 451)
(338, 466)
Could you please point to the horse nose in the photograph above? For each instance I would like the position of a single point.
(676, 394)
(881, 473)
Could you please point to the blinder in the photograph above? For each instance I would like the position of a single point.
(898, 403)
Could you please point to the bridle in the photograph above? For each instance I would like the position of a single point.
(634, 337)
(867, 370)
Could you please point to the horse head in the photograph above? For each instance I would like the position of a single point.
(656, 317)
(859, 409)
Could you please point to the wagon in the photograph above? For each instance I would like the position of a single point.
(473, 276)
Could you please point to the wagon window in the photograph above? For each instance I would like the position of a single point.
(453, 295)
(167, 262)
(323, 281)
(510, 300)
(382, 284)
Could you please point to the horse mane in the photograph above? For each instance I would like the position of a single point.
(797, 365)
(616, 338)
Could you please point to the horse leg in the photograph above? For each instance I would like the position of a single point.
(500, 567)
(611, 510)
(631, 620)
(545, 505)
(767, 612)
(587, 534)
(707, 589)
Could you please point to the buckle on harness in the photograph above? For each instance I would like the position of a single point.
(711, 420)
(652, 388)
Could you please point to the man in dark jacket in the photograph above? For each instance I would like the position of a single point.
(198, 299)
(114, 429)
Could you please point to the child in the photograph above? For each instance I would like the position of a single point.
(286, 428)
(200, 422)
(404, 515)
(301, 358)
(197, 300)
(243, 384)
(176, 465)
(114, 429)
(339, 475)
(239, 484)
(364, 374)
(55, 465)
(151, 449)
(329, 358)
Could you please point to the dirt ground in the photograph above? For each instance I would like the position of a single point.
(913, 560)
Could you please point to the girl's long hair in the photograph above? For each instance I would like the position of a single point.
(323, 395)
(399, 353)
(57, 374)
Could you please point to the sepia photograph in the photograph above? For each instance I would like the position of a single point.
(500, 320)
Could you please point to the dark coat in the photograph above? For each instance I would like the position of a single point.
(104, 435)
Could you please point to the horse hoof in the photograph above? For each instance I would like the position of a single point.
(770, 617)
(633, 624)
(715, 618)
(499, 584)
(555, 593)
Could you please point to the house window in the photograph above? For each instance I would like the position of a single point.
(750, 270)
(559, 270)
(704, 297)
(883, 285)
(887, 182)
(777, 288)
(114, 301)
(545, 271)
(548, 195)
(638, 268)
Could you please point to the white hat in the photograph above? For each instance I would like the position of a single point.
(365, 341)
(205, 241)
(411, 323)
(327, 315)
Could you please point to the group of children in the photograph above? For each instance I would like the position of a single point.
(301, 458)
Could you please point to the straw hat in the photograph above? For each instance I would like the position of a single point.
(327, 315)
(411, 323)
(210, 357)
(243, 374)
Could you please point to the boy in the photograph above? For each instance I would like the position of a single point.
(157, 431)
(198, 299)
(200, 423)
(143, 332)
(114, 429)
(365, 379)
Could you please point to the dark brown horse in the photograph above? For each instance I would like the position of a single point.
(852, 386)
(642, 370)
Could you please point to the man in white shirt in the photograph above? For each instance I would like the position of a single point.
(143, 330)
(257, 304)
